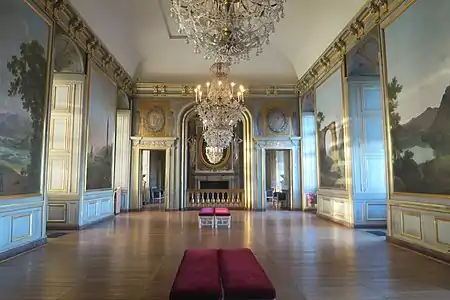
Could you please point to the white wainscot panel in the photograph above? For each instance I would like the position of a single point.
(335, 208)
(20, 223)
(443, 231)
(57, 181)
(424, 227)
(97, 206)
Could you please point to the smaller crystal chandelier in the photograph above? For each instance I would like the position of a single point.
(219, 110)
(219, 107)
(214, 154)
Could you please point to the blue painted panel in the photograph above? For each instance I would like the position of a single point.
(373, 127)
(21, 226)
(309, 153)
(371, 98)
(376, 212)
(97, 205)
(21, 222)
(375, 175)
(368, 153)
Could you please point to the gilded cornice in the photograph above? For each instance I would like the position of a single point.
(63, 14)
(158, 89)
(371, 15)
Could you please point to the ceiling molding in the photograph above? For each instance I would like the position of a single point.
(371, 15)
(77, 29)
(159, 89)
(166, 23)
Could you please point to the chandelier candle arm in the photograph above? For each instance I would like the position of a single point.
(227, 30)
(220, 108)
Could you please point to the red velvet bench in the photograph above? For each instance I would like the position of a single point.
(206, 217)
(198, 276)
(242, 276)
(222, 217)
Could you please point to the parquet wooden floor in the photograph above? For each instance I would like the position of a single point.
(136, 257)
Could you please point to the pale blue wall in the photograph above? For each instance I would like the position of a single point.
(21, 222)
(309, 153)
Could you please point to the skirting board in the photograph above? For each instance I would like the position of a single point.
(340, 222)
(22, 249)
(419, 249)
(62, 226)
(349, 225)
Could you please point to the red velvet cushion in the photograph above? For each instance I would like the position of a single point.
(197, 276)
(206, 212)
(242, 276)
(222, 212)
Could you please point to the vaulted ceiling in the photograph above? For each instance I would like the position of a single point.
(143, 37)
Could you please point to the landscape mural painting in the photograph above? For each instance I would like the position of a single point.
(418, 73)
(101, 132)
(24, 40)
(330, 125)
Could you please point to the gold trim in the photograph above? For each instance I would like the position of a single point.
(402, 7)
(436, 229)
(64, 206)
(347, 144)
(418, 208)
(417, 203)
(303, 204)
(370, 15)
(183, 90)
(30, 229)
(411, 214)
(47, 95)
(394, 15)
(385, 123)
(70, 21)
(144, 108)
(417, 195)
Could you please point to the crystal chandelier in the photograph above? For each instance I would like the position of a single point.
(214, 154)
(227, 30)
(218, 107)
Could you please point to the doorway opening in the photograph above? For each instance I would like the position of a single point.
(278, 179)
(153, 178)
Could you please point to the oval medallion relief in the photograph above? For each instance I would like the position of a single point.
(154, 120)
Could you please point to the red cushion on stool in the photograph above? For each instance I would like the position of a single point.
(222, 212)
(206, 212)
(242, 276)
(198, 276)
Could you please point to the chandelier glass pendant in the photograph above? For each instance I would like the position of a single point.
(219, 104)
(227, 30)
(220, 107)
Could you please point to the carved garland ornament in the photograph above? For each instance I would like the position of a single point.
(371, 15)
(73, 24)
(152, 144)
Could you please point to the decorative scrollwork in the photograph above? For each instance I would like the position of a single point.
(153, 143)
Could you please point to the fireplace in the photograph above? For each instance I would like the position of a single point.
(215, 185)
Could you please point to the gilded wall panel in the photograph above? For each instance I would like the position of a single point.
(275, 117)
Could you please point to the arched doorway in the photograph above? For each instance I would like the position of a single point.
(187, 113)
